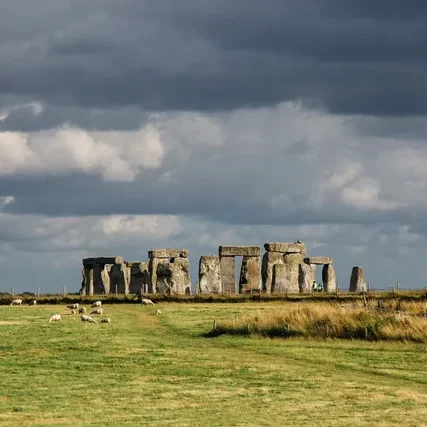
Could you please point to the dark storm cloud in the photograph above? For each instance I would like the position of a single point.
(349, 57)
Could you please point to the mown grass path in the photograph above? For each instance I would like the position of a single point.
(144, 369)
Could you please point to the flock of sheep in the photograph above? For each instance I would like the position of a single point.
(82, 310)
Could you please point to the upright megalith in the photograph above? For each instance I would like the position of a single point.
(209, 275)
(250, 274)
(284, 279)
(269, 260)
(138, 277)
(101, 278)
(119, 279)
(170, 271)
(306, 277)
(329, 278)
(357, 280)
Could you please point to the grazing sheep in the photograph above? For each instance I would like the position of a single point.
(16, 302)
(97, 304)
(73, 312)
(33, 302)
(87, 319)
(55, 318)
(82, 310)
(146, 301)
(106, 320)
(73, 306)
(97, 311)
(158, 312)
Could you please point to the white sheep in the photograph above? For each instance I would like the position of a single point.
(73, 306)
(16, 302)
(158, 312)
(82, 310)
(106, 320)
(55, 318)
(87, 319)
(33, 302)
(97, 304)
(97, 311)
(146, 301)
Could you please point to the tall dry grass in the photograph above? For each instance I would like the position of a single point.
(328, 321)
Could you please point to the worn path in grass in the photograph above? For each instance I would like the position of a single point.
(144, 369)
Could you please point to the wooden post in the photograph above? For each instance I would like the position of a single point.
(397, 286)
(116, 289)
(369, 286)
(38, 291)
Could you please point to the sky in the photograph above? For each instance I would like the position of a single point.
(128, 125)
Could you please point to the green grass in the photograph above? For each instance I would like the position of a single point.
(144, 369)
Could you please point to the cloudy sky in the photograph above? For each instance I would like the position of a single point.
(127, 125)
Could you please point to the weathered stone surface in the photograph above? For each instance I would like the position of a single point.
(306, 277)
(168, 253)
(357, 280)
(293, 258)
(161, 274)
(138, 277)
(269, 259)
(250, 274)
(239, 251)
(181, 281)
(228, 274)
(87, 282)
(285, 278)
(103, 260)
(101, 278)
(210, 275)
(329, 278)
(119, 279)
(318, 260)
(285, 248)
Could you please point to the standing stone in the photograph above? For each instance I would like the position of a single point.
(293, 261)
(329, 278)
(161, 273)
(138, 276)
(250, 274)
(209, 275)
(101, 278)
(306, 278)
(268, 261)
(357, 280)
(228, 274)
(87, 282)
(119, 278)
(181, 281)
(284, 278)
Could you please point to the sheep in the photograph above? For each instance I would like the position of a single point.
(55, 318)
(16, 302)
(97, 304)
(106, 320)
(33, 302)
(146, 301)
(73, 306)
(158, 312)
(97, 311)
(82, 310)
(73, 312)
(87, 319)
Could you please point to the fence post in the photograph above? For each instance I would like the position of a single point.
(369, 286)
(397, 286)
(38, 291)
(116, 289)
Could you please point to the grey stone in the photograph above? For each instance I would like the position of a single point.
(119, 279)
(87, 283)
(306, 278)
(228, 251)
(210, 275)
(357, 280)
(138, 277)
(318, 260)
(285, 248)
(228, 274)
(284, 278)
(268, 261)
(181, 280)
(250, 274)
(168, 253)
(103, 260)
(101, 278)
(329, 278)
(161, 272)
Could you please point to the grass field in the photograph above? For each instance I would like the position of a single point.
(144, 369)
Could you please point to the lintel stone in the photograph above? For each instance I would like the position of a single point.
(318, 260)
(87, 262)
(168, 253)
(284, 248)
(225, 251)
